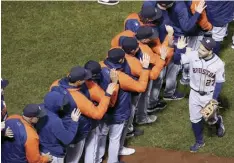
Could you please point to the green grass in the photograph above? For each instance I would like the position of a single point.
(41, 41)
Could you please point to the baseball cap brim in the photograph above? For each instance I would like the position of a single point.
(158, 15)
(88, 74)
(155, 35)
(42, 112)
(4, 83)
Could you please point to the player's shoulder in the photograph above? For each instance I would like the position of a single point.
(219, 61)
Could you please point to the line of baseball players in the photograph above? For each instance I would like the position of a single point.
(104, 100)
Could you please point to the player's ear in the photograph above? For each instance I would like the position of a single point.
(211, 52)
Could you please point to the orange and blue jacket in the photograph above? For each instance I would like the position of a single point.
(155, 60)
(203, 20)
(90, 99)
(54, 136)
(133, 22)
(121, 111)
(24, 148)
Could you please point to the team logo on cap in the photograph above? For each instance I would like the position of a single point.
(207, 41)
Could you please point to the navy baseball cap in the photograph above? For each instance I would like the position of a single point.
(34, 110)
(79, 73)
(115, 54)
(146, 32)
(55, 100)
(165, 3)
(4, 83)
(208, 42)
(93, 66)
(129, 44)
(151, 12)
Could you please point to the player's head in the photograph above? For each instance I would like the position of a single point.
(95, 69)
(78, 75)
(56, 102)
(130, 45)
(116, 56)
(4, 83)
(206, 47)
(32, 113)
(150, 14)
(146, 34)
(163, 5)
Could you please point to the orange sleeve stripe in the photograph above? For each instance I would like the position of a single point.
(203, 21)
(129, 84)
(95, 91)
(114, 96)
(134, 65)
(32, 145)
(55, 83)
(88, 108)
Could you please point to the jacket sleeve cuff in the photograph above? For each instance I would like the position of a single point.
(197, 15)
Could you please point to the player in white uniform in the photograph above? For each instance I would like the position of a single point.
(206, 79)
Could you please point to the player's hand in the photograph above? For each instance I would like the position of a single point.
(163, 52)
(75, 115)
(145, 60)
(2, 125)
(201, 6)
(181, 44)
(169, 30)
(110, 89)
(49, 156)
(114, 76)
(9, 133)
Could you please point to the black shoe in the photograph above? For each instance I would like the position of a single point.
(138, 132)
(135, 132)
(176, 96)
(106, 2)
(160, 106)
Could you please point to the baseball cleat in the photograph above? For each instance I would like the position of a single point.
(176, 96)
(196, 147)
(126, 151)
(108, 2)
(149, 119)
(221, 128)
(135, 132)
(160, 106)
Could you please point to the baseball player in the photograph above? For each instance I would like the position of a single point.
(54, 137)
(207, 77)
(219, 13)
(74, 86)
(6, 132)
(4, 114)
(25, 147)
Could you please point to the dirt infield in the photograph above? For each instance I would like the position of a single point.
(156, 155)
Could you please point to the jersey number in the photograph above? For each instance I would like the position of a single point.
(210, 82)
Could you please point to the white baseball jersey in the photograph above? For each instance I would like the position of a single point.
(204, 73)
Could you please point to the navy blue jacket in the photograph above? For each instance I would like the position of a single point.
(122, 109)
(220, 13)
(54, 136)
(84, 122)
(180, 18)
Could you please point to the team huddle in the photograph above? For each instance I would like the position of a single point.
(102, 103)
